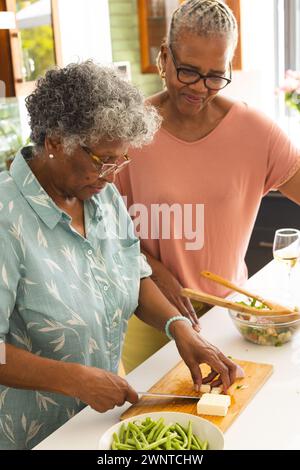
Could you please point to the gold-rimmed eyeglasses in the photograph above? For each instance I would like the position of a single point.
(104, 168)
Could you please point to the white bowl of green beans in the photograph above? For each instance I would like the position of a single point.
(163, 430)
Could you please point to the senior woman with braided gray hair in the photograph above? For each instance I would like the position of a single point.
(71, 272)
(216, 153)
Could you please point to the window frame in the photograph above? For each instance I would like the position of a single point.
(22, 87)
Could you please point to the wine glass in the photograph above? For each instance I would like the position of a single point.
(286, 249)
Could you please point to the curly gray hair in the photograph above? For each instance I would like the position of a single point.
(82, 103)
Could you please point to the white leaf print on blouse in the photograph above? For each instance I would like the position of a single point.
(29, 179)
(95, 267)
(93, 346)
(70, 255)
(70, 413)
(40, 200)
(43, 401)
(117, 315)
(16, 230)
(42, 241)
(4, 275)
(7, 426)
(52, 265)
(60, 342)
(97, 318)
(2, 397)
(56, 326)
(71, 258)
(26, 282)
(24, 422)
(33, 430)
(8, 180)
(23, 339)
(1, 206)
(52, 288)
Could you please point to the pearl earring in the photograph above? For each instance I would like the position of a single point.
(51, 155)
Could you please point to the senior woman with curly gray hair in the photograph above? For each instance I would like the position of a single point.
(71, 272)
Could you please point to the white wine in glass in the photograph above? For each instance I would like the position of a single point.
(286, 249)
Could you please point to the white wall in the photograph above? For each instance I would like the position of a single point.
(255, 84)
(85, 30)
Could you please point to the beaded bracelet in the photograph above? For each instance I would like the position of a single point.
(167, 326)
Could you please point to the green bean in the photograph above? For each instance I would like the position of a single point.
(176, 446)
(205, 445)
(127, 435)
(195, 443)
(182, 433)
(122, 432)
(156, 435)
(164, 431)
(169, 443)
(189, 435)
(149, 427)
(153, 430)
(114, 446)
(140, 433)
(120, 446)
(155, 444)
(158, 431)
(137, 443)
(200, 444)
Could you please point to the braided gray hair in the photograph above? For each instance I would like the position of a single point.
(85, 102)
(205, 18)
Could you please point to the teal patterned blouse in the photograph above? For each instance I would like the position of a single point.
(62, 296)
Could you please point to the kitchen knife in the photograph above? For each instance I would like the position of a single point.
(167, 395)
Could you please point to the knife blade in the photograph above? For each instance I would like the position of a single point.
(167, 395)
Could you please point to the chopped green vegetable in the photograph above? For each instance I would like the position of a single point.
(156, 435)
(254, 303)
(262, 330)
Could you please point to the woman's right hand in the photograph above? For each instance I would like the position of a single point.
(171, 288)
(102, 390)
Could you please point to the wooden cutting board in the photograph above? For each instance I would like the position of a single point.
(178, 381)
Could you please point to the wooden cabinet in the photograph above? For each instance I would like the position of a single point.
(275, 212)
(154, 18)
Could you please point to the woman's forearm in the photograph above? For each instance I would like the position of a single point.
(28, 371)
(170, 287)
(156, 265)
(154, 308)
(99, 388)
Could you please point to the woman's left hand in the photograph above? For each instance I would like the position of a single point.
(195, 350)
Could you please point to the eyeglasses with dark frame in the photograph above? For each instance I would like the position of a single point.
(189, 76)
(106, 168)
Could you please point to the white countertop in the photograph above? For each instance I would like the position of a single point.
(270, 421)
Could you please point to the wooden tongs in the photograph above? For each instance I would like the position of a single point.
(275, 309)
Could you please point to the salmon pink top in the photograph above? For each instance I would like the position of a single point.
(215, 185)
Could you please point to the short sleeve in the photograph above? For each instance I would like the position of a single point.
(145, 270)
(283, 159)
(9, 279)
